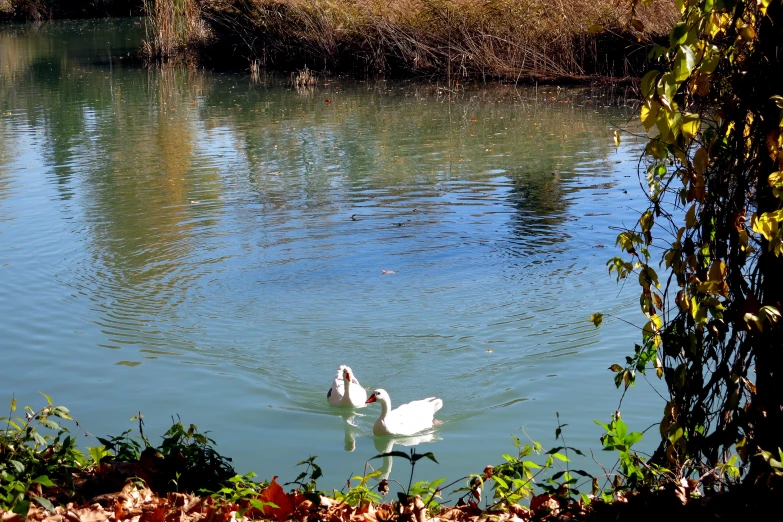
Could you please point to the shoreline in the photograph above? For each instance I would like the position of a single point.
(440, 40)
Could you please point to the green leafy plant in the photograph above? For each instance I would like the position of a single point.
(307, 479)
(617, 438)
(412, 459)
(515, 479)
(361, 492)
(242, 491)
(35, 453)
(122, 447)
(192, 455)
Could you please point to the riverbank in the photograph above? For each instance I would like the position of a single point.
(38, 10)
(449, 39)
(46, 477)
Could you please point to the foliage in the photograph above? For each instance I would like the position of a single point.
(242, 491)
(712, 168)
(40, 461)
(412, 459)
(34, 451)
(361, 492)
(514, 479)
(310, 475)
(191, 455)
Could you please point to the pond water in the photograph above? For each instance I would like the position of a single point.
(195, 244)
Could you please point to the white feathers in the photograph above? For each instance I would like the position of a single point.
(346, 390)
(407, 419)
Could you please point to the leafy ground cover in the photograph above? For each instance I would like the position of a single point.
(45, 476)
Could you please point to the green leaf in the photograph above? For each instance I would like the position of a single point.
(393, 454)
(648, 83)
(499, 480)
(44, 481)
(38, 438)
(667, 88)
(620, 428)
(48, 399)
(48, 506)
(684, 62)
(678, 34)
(21, 508)
(50, 424)
(633, 438)
(428, 455)
(18, 466)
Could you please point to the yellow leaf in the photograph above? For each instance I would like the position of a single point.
(690, 217)
(768, 224)
(717, 271)
(690, 125)
(647, 220)
(616, 139)
(597, 318)
(700, 160)
(649, 114)
(698, 311)
(763, 5)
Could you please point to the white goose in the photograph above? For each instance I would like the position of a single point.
(407, 419)
(346, 390)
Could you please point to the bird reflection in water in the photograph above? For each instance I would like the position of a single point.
(385, 444)
(351, 426)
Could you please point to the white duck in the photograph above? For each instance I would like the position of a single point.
(407, 419)
(346, 390)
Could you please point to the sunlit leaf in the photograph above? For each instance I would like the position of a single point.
(700, 160)
(684, 62)
(649, 114)
(690, 125)
(678, 34)
(597, 318)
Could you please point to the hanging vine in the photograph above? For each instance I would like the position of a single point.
(713, 109)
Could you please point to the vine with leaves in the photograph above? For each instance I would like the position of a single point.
(713, 175)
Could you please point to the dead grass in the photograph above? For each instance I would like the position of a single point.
(172, 27)
(510, 39)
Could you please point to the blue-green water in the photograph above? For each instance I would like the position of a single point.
(189, 243)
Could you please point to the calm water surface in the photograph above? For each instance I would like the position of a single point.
(195, 244)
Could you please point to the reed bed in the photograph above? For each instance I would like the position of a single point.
(508, 39)
(173, 27)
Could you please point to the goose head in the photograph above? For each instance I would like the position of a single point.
(379, 396)
(348, 375)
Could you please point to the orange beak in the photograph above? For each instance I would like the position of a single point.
(370, 399)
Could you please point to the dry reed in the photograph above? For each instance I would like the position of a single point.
(510, 39)
(172, 27)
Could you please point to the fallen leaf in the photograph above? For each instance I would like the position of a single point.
(274, 493)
